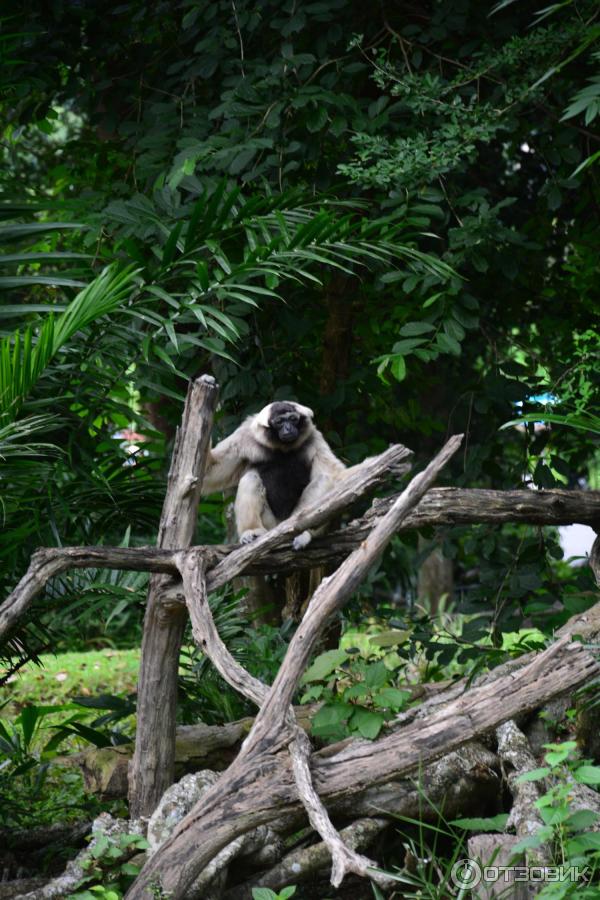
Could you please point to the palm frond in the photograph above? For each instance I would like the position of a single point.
(15, 437)
(228, 249)
(24, 356)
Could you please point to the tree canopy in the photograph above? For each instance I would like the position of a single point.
(389, 213)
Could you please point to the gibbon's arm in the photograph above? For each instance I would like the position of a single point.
(227, 462)
(324, 460)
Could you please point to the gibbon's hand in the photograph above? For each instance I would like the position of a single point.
(302, 540)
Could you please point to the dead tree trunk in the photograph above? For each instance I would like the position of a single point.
(153, 765)
(261, 788)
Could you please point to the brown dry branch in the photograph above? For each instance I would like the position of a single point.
(260, 787)
(439, 507)
(364, 478)
(274, 725)
(226, 561)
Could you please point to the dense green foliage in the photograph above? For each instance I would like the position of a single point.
(389, 214)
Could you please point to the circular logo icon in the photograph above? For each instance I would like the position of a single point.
(466, 873)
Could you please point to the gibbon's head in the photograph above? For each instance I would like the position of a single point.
(285, 424)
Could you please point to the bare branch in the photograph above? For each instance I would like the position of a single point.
(333, 592)
(192, 566)
(439, 507)
(258, 788)
(343, 858)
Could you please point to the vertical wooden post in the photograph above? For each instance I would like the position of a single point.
(151, 770)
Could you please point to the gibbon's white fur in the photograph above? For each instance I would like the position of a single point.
(280, 462)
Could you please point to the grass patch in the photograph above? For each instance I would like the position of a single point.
(67, 675)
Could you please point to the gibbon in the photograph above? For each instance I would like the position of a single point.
(280, 463)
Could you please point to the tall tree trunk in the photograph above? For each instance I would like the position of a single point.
(152, 769)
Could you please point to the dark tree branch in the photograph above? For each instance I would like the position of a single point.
(274, 726)
(439, 507)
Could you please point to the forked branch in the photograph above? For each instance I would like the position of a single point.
(274, 726)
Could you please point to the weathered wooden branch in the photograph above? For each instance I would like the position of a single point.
(274, 725)
(465, 782)
(335, 591)
(439, 507)
(262, 789)
(299, 865)
(516, 758)
(153, 765)
(224, 561)
(364, 479)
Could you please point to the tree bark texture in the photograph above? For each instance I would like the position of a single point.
(275, 727)
(153, 765)
(439, 507)
(261, 788)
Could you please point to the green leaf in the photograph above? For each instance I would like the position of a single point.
(366, 722)
(587, 774)
(54, 280)
(398, 368)
(448, 344)
(316, 119)
(28, 717)
(324, 665)
(99, 846)
(494, 823)
(582, 818)
(535, 774)
(377, 674)
(413, 328)
(580, 421)
(407, 345)
(391, 698)
(558, 753)
(454, 329)
(164, 356)
(589, 841)
(262, 893)
(390, 638)
(171, 245)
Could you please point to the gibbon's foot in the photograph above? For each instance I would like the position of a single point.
(302, 540)
(251, 534)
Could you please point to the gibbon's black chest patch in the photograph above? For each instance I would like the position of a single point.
(284, 475)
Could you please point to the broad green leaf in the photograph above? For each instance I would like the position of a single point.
(495, 823)
(587, 774)
(398, 368)
(391, 698)
(535, 774)
(324, 665)
(366, 722)
(414, 328)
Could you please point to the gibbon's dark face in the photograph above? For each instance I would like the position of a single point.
(285, 423)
